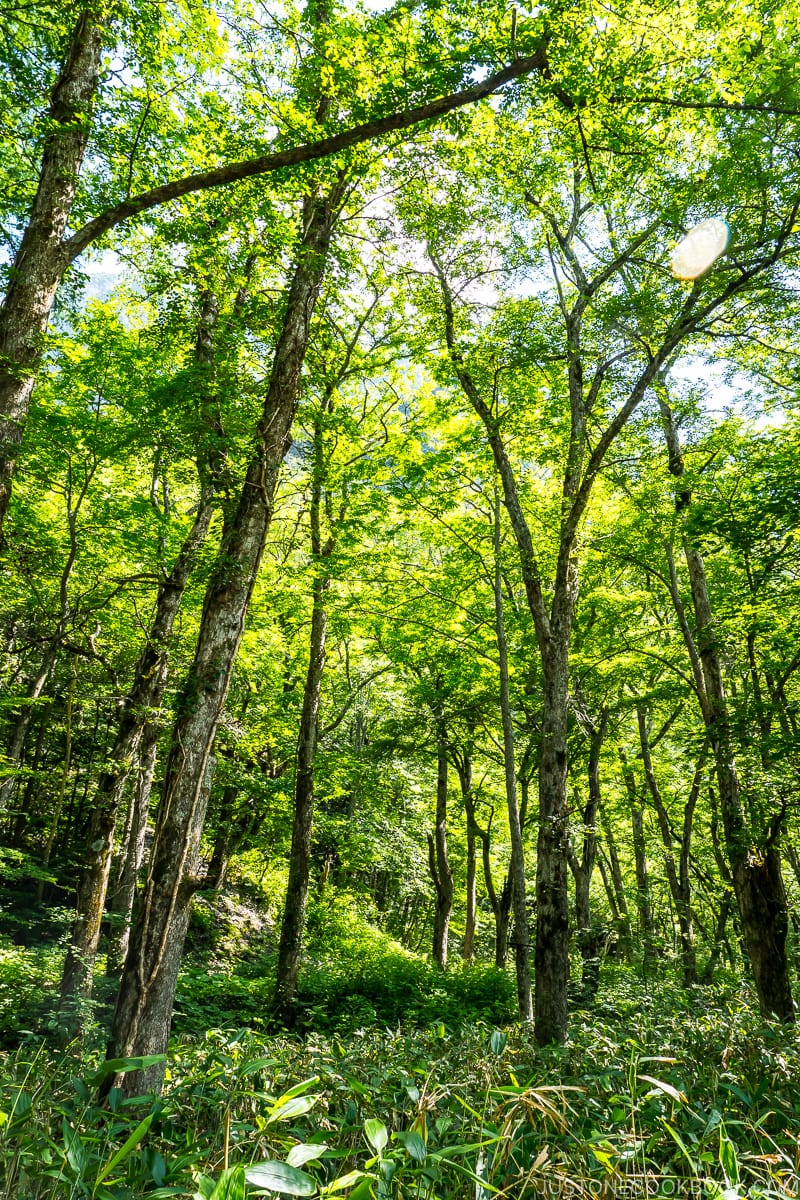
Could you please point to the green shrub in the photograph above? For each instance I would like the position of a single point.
(356, 975)
(686, 1096)
(28, 989)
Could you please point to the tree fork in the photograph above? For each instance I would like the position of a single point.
(42, 258)
(45, 254)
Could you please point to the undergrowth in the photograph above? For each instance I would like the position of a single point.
(672, 1096)
(353, 975)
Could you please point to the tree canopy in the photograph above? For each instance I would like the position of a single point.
(391, 530)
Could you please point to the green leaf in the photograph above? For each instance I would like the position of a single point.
(305, 1152)
(275, 1176)
(230, 1185)
(377, 1134)
(75, 1149)
(728, 1158)
(119, 1066)
(363, 1190)
(676, 1137)
(666, 1088)
(298, 1089)
(346, 1181)
(293, 1107)
(256, 1064)
(414, 1145)
(497, 1042)
(137, 1135)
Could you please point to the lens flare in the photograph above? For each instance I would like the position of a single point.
(700, 249)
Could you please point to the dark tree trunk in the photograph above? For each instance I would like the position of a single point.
(755, 868)
(74, 501)
(677, 877)
(552, 895)
(63, 776)
(225, 840)
(618, 884)
(20, 814)
(519, 887)
(438, 861)
(41, 259)
(131, 854)
(643, 902)
(500, 904)
(756, 871)
(16, 746)
(463, 764)
(294, 911)
(144, 1003)
(145, 696)
(471, 915)
(608, 885)
(725, 907)
(589, 938)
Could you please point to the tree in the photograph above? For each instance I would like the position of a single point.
(47, 249)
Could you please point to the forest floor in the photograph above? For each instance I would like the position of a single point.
(400, 1082)
(663, 1095)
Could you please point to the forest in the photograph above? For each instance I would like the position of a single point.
(400, 599)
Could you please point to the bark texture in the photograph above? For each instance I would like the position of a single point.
(519, 887)
(42, 259)
(132, 850)
(589, 938)
(754, 863)
(644, 905)
(677, 876)
(294, 910)
(617, 889)
(463, 765)
(438, 861)
(145, 696)
(144, 1002)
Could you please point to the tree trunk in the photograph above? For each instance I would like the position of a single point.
(74, 501)
(677, 877)
(756, 872)
(643, 903)
(552, 895)
(144, 1003)
(618, 883)
(131, 854)
(16, 748)
(294, 911)
(438, 861)
(719, 937)
(41, 259)
(145, 696)
(500, 905)
(519, 888)
(471, 898)
(757, 880)
(224, 841)
(589, 938)
(463, 765)
(62, 779)
(18, 819)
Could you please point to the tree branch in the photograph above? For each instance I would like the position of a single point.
(266, 164)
